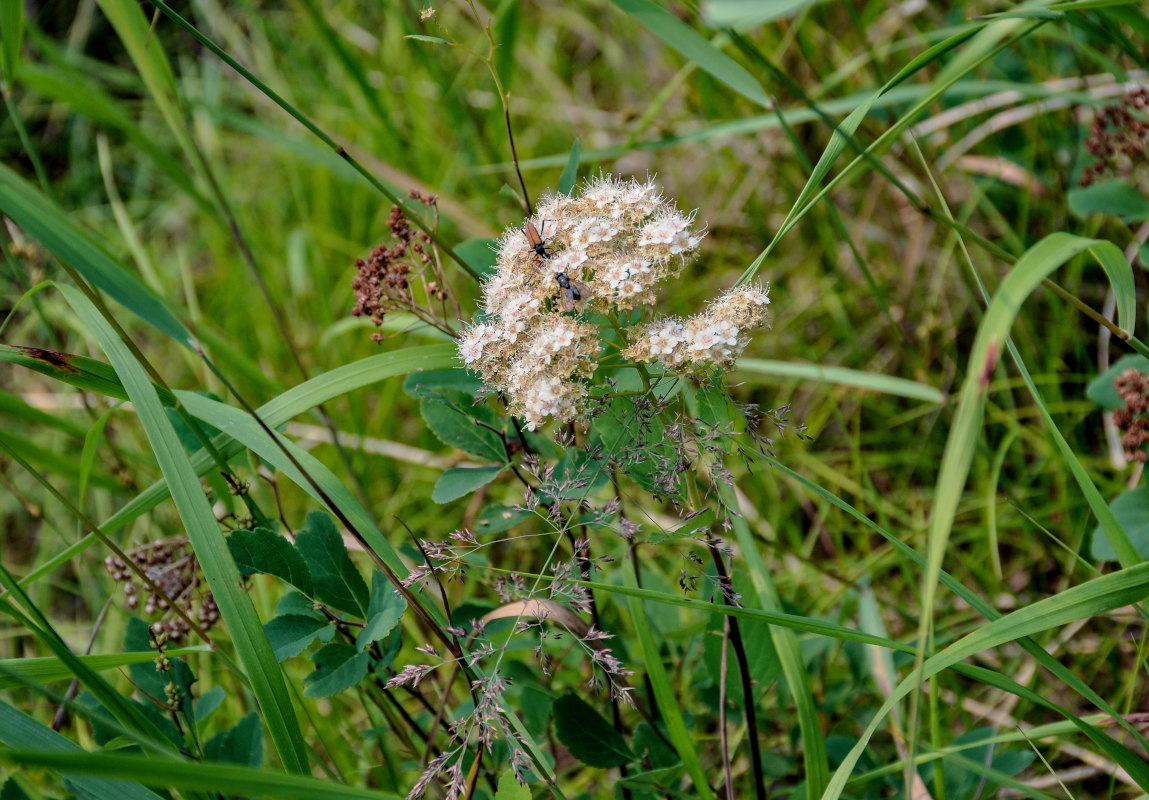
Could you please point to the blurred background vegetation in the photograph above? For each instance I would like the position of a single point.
(870, 279)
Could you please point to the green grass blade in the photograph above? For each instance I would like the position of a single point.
(44, 221)
(226, 779)
(17, 729)
(789, 652)
(1079, 602)
(885, 384)
(82, 372)
(126, 713)
(11, 34)
(48, 668)
(664, 693)
(1031, 269)
(694, 47)
(263, 671)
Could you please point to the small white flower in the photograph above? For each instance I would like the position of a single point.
(474, 340)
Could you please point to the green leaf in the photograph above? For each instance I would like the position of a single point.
(387, 607)
(269, 553)
(762, 658)
(741, 15)
(508, 19)
(45, 222)
(11, 790)
(589, 737)
(255, 655)
(694, 47)
(241, 744)
(337, 582)
(647, 742)
(886, 384)
(429, 383)
(291, 634)
(1114, 198)
(1101, 389)
(1131, 508)
(337, 667)
(569, 177)
(479, 254)
(461, 481)
(79, 371)
(509, 788)
(497, 518)
(432, 39)
(453, 417)
(12, 36)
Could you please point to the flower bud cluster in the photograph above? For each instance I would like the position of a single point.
(717, 336)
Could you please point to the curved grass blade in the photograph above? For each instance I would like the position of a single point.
(694, 47)
(886, 384)
(1079, 602)
(1032, 268)
(255, 654)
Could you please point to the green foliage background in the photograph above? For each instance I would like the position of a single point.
(128, 141)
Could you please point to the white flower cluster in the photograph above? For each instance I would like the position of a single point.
(605, 250)
(716, 336)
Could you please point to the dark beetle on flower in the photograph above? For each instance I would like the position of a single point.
(535, 239)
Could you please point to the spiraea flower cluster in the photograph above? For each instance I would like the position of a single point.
(1133, 420)
(719, 335)
(172, 568)
(594, 257)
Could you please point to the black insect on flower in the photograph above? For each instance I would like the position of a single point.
(535, 239)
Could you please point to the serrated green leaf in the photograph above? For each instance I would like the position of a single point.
(336, 580)
(337, 667)
(240, 744)
(461, 481)
(453, 417)
(269, 553)
(589, 737)
(291, 634)
(387, 607)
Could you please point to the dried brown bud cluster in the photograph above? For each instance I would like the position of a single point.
(1119, 139)
(405, 276)
(1133, 387)
(172, 566)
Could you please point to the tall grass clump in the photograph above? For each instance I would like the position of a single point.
(579, 400)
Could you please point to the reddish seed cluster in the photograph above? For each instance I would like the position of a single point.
(172, 566)
(1133, 422)
(384, 280)
(1119, 138)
